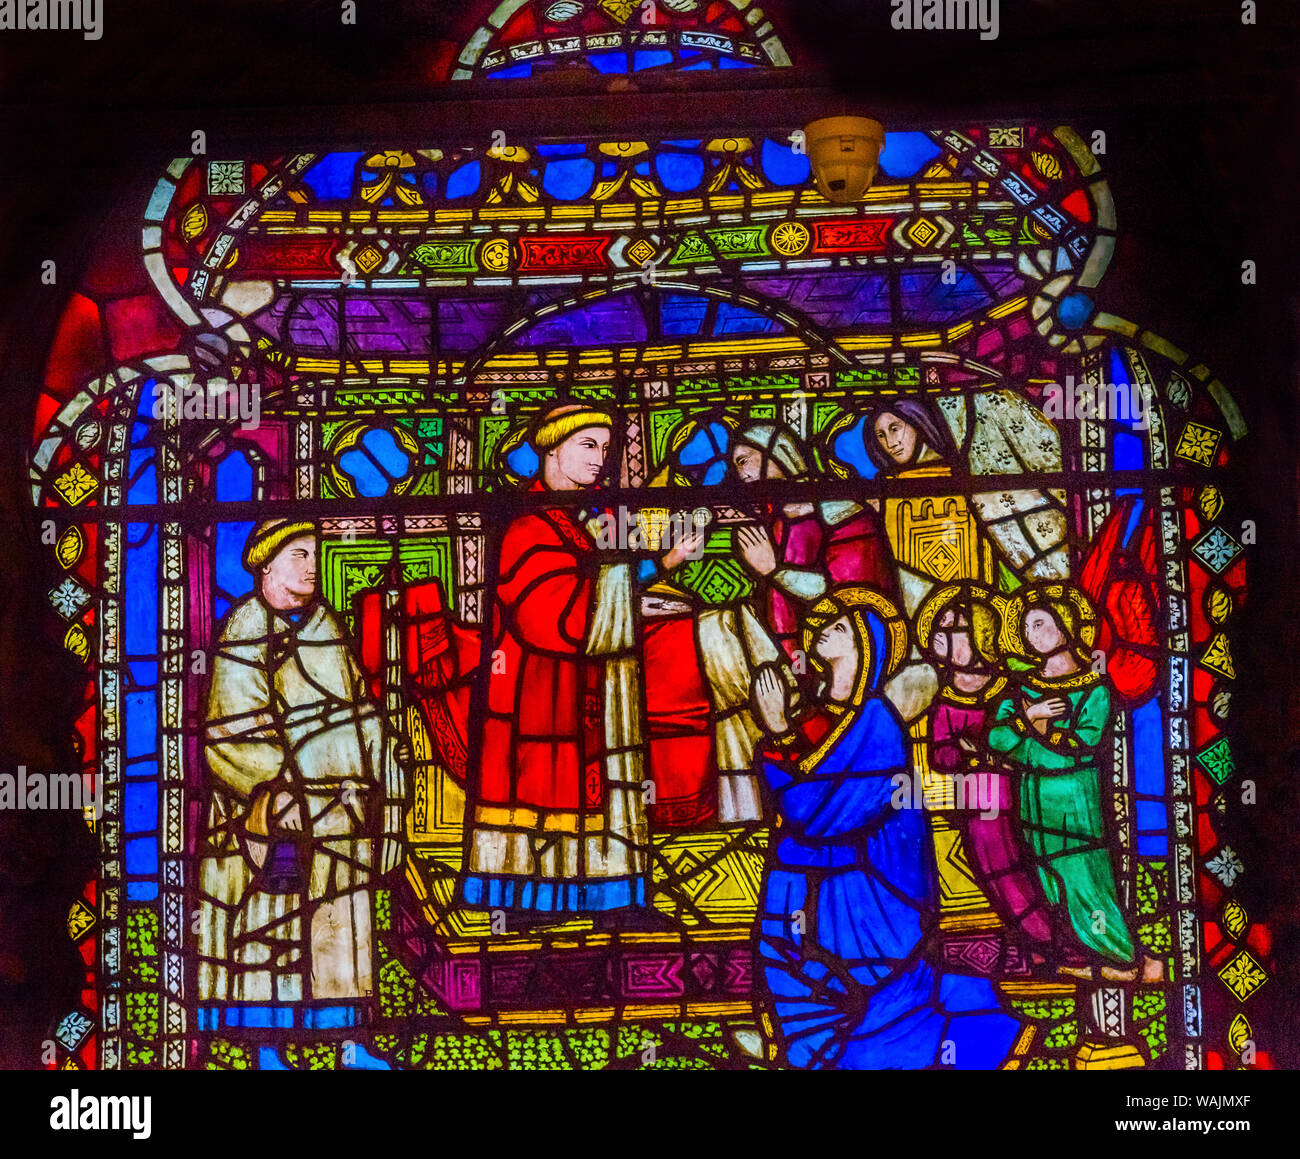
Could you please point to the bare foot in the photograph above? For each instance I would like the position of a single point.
(1084, 972)
(1113, 975)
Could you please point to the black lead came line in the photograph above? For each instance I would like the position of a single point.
(507, 501)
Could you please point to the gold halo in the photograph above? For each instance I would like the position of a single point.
(847, 598)
(937, 602)
(1085, 634)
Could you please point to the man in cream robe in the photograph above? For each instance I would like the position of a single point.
(303, 781)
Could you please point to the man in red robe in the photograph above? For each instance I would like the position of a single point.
(558, 824)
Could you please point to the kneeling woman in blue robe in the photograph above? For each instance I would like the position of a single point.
(851, 891)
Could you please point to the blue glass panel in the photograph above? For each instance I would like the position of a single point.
(331, 177)
(1127, 398)
(698, 66)
(707, 445)
(141, 724)
(145, 487)
(141, 585)
(682, 315)
(234, 478)
(1128, 452)
(608, 62)
(680, 172)
(513, 72)
(906, 154)
(705, 456)
(1118, 369)
(1148, 750)
(569, 180)
(735, 319)
(523, 461)
(1074, 311)
(367, 478)
(232, 577)
(572, 150)
(142, 856)
(141, 891)
(465, 181)
(1153, 846)
(145, 406)
(651, 59)
(783, 166)
(375, 463)
(383, 446)
(328, 1017)
(140, 807)
(1151, 817)
(849, 448)
(733, 62)
(144, 673)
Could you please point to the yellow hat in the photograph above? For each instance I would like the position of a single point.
(564, 421)
(269, 537)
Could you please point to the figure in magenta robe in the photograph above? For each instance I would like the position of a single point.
(957, 627)
(802, 550)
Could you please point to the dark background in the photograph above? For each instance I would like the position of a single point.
(1200, 114)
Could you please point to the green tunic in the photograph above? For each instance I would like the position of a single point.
(1061, 807)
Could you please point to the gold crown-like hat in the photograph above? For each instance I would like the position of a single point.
(269, 537)
(564, 421)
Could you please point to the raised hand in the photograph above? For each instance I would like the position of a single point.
(688, 547)
(756, 550)
(770, 699)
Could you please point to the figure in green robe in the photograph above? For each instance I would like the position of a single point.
(1055, 730)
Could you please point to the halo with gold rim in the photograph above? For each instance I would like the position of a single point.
(842, 601)
(943, 597)
(1038, 595)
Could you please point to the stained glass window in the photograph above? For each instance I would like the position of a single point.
(585, 602)
(529, 38)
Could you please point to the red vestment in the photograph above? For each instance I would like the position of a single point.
(543, 733)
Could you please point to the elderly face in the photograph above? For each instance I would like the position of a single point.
(750, 463)
(1042, 633)
(293, 568)
(836, 640)
(952, 639)
(897, 437)
(580, 459)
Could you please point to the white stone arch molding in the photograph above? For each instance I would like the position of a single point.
(78, 425)
(209, 301)
(1063, 251)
